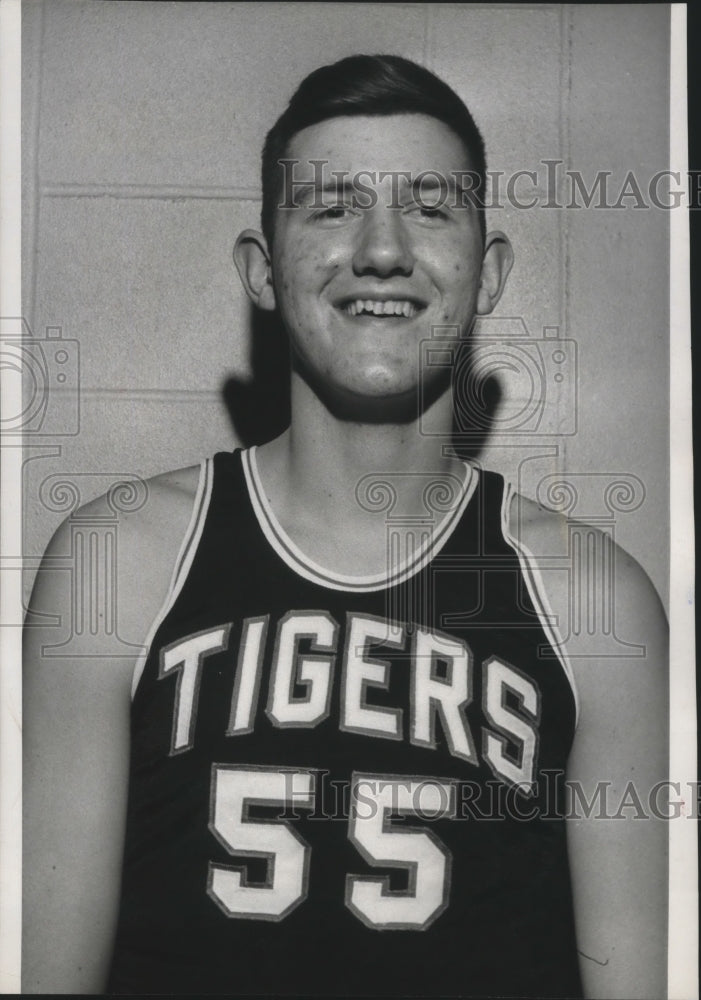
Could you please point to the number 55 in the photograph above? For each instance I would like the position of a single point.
(374, 798)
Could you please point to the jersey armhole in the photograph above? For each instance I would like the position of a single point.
(183, 562)
(537, 592)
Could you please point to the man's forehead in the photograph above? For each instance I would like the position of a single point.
(406, 141)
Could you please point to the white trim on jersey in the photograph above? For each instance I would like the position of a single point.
(310, 570)
(183, 563)
(536, 589)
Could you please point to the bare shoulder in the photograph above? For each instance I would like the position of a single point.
(143, 509)
(593, 585)
(163, 513)
(147, 521)
(158, 501)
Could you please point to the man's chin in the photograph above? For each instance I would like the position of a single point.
(377, 404)
(374, 408)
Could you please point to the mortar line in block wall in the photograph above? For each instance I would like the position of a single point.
(496, 7)
(148, 395)
(156, 192)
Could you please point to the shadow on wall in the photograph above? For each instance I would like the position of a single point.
(476, 404)
(259, 406)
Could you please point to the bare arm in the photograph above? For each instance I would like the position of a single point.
(618, 763)
(619, 853)
(75, 780)
(76, 746)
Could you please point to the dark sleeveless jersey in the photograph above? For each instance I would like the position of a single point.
(344, 785)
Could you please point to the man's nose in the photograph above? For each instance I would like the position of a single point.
(383, 247)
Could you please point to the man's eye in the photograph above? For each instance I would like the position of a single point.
(333, 213)
(428, 213)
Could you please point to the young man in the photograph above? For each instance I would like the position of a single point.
(338, 767)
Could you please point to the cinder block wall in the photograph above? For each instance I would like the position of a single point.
(143, 124)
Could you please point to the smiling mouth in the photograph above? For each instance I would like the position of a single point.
(381, 307)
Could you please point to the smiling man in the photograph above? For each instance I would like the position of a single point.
(339, 766)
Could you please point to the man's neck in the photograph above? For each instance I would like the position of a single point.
(338, 478)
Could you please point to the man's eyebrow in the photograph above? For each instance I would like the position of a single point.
(431, 180)
(310, 190)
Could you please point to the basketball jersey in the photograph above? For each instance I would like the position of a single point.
(349, 785)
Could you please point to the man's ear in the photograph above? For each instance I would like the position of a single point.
(252, 259)
(496, 264)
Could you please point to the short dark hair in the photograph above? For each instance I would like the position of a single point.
(366, 85)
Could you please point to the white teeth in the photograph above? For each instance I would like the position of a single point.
(381, 307)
